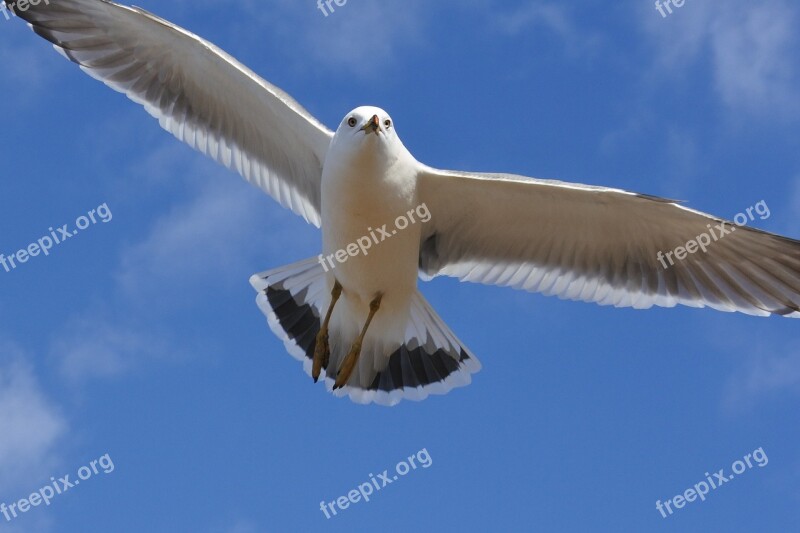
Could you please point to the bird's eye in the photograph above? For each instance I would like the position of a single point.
(387, 123)
(352, 122)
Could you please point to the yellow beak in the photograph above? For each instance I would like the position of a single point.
(373, 125)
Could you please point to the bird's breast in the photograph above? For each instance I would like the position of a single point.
(371, 229)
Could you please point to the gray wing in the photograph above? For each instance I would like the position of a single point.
(600, 245)
(197, 92)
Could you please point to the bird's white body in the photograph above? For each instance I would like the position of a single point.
(368, 181)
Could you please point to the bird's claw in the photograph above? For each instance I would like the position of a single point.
(322, 353)
(349, 363)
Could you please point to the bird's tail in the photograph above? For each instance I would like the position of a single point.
(429, 359)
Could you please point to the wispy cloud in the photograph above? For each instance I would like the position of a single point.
(31, 426)
(22, 64)
(549, 15)
(367, 36)
(360, 37)
(213, 240)
(555, 18)
(750, 48)
(27, 69)
(196, 242)
(792, 225)
(91, 347)
(768, 373)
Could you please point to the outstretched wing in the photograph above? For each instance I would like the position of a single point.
(197, 92)
(601, 245)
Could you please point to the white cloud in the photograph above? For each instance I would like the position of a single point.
(556, 18)
(195, 242)
(91, 347)
(361, 37)
(768, 373)
(22, 64)
(31, 427)
(754, 56)
(548, 15)
(27, 69)
(790, 224)
(751, 49)
(213, 240)
(367, 36)
(222, 227)
(31, 523)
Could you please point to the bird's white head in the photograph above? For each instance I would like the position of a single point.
(368, 133)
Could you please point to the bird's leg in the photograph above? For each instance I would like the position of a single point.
(350, 361)
(322, 349)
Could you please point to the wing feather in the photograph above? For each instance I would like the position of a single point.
(601, 245)
(197, 92)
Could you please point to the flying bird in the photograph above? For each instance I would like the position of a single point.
(354, 315)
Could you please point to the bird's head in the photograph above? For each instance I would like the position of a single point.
(370, 130)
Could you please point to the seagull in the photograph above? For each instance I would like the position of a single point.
(354, 316)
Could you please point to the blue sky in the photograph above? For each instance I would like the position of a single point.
(139, 338)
